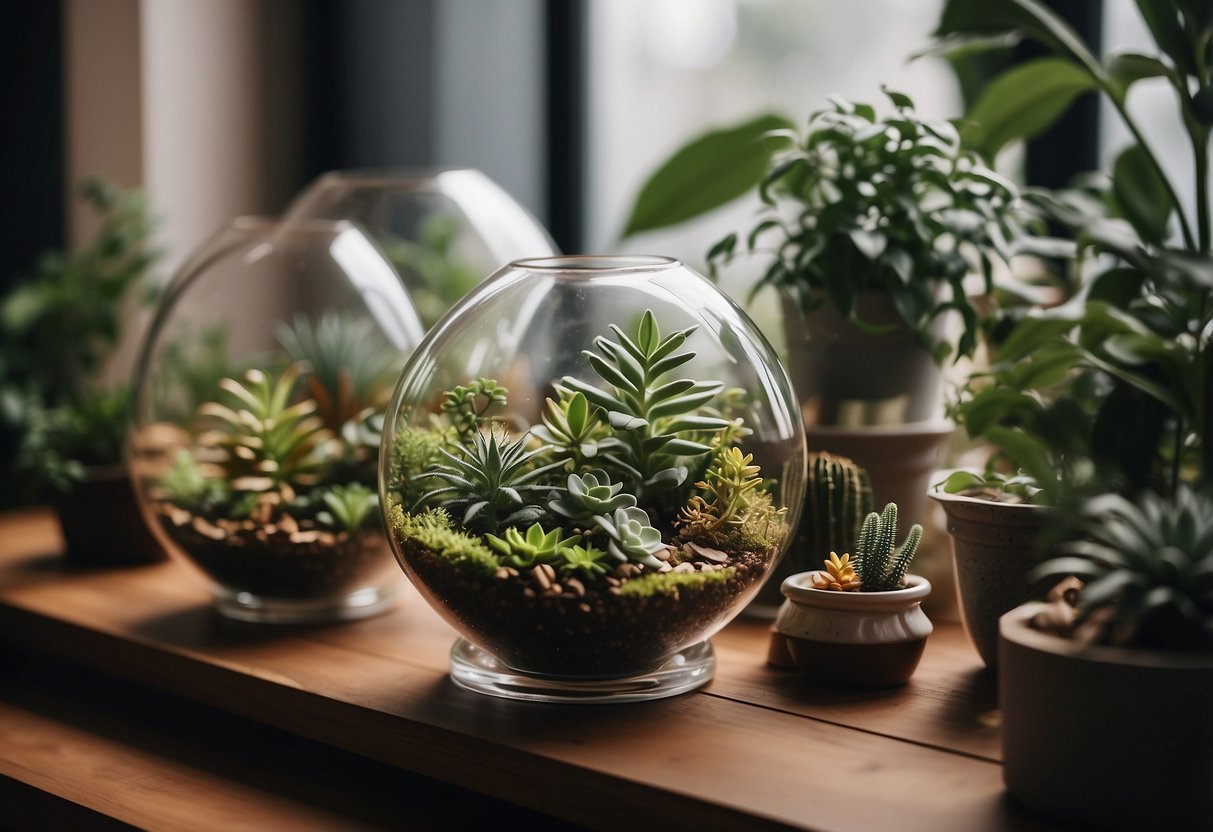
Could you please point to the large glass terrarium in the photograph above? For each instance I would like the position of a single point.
(589, 467)
(260, 397)
(444, 230)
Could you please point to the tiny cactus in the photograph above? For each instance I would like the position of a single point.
(839, 575)
(880, 564)
(838, 497)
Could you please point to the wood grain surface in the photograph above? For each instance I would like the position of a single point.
(758, 748)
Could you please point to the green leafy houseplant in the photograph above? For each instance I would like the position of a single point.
(58, 327)
(618, 509)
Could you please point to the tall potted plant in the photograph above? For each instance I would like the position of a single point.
(1131, 358)
(64, 428)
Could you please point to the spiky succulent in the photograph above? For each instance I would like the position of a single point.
(348, 507)
(839, 575)
(534, 547)
(729, 485)
(1147, 568)
(881, 564)
(468, 405)
(573, 429)
(630, 536)
(657, 420)
(583, 560)
(349, 369)
(591, 494)
(491, 483)
(265, 443)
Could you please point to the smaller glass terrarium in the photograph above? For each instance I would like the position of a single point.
(589, 467)
(260, 398)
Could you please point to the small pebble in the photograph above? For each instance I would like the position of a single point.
(575, 586)
(685, 567)
(613, 581)
(528, 592)
(541, 578)
(584, 607)
(665, 567)
(502, 573)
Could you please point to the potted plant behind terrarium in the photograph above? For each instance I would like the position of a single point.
(260, 398)
(443, 230)
(589, 467)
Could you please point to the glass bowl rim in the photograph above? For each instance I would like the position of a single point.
(586, 264)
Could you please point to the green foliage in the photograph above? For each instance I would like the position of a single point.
(838, 498)
(630, 536)
(673, 583)
(414, 452)
(58, 326)
(881, 564)
(267, 444)
(349, 369)
(533, 547)
(572, 429)
(348, 507)
(187, 486)
(583, 561)
(434, 531)
(491, 483)
(893, 204)
(591, 494)
(732, 486)
(693, 181)
(654, 418)
(1147, 568)
(992, 485)
(192, 369)
(442, 278)
(467, 406)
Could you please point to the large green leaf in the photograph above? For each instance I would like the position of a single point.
(1023, 102)
(712, 170)
(1033, 19)
(1162, 16)
(1126, 68)
(1141, 194)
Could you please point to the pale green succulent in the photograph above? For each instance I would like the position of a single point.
(584, 560)
(534, 547)
(348, 507)
(573, 429)
(631, 537)
(591, 494)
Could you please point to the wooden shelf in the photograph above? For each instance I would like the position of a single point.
(756, 749)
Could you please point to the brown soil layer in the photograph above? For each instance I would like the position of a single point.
(274, 565)
(598, 634)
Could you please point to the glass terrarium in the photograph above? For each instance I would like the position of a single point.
(443, 230)
(589, 467)
(260, 398)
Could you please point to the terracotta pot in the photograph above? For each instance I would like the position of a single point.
(993, 549)
(1119, 738)
(845, 376)
(853, 639)
(101, 522)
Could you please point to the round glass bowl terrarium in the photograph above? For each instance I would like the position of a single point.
(443, 230)
(259, 403)
(589, 467)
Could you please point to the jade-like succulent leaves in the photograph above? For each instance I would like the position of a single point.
(526, 550)
(630, 536)
(591, 494)
(573, 428)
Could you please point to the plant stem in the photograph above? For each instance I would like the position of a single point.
(1200, 145)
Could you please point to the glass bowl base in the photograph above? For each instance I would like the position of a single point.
(478, 670)
(260, 609)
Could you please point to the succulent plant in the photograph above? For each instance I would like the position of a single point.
(186, 485)
(1147, 568)
(491, 483)
(534, 547)
(572, 429)
(266, 444)
(653, 417)
(630, 536)
(839, 575)
(348, 507)
(591, 494)
(414, 452)
(729, 483)
(467, 405)
(838, 498)
(881, 564)
(586, 560)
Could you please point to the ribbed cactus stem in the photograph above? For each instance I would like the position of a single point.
(881, 566)
(839, 497)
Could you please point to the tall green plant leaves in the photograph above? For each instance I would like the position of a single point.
(709, 172)
(1141, 195)
(1023, 102)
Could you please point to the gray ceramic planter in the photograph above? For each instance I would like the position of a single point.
(993, 549)
(1122, 739)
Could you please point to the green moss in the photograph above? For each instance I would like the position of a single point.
(413, 453)
(671, 583)
(433, 530)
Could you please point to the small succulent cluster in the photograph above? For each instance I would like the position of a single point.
(290, 446)
(1146, 568)
(616, 482)
(879, 565)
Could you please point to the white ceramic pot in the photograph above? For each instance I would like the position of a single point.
(869, 639)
